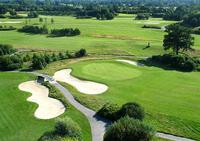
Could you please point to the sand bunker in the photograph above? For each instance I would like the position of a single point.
(86, 87)
(10, 22)
(130, 62)
(48, 107)
(149, 22)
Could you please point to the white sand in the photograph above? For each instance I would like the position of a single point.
(48, 107)
(149, 22)
(86, 87)
(130, 62)
(10, 22)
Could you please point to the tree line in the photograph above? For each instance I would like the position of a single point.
(10, 59)
(54, 32)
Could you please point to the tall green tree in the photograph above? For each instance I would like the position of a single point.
(178, 38)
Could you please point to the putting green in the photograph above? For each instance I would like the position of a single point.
(109, 71)
(170, 98)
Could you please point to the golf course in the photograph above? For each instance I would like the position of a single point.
(87, 62)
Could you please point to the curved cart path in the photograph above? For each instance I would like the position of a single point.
(98, 124)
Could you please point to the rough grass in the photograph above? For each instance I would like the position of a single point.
(170, 98)
(17, 121)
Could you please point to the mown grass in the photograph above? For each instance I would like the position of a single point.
(17, 121)
(170, 98)
(123, 36)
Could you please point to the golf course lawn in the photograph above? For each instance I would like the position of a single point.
(170, 98)
(121, 36)
(17, 115)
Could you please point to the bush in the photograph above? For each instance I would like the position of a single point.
(151, 26)
(65, 32)
(142, 16)
(33, 14)
(65, 130)
(81, 53)
(109, 111)
(178, 62)
(8, 63)
(7, 28)
(67, 127)
(34, 29)
(6, 49)
(129, 129)
(132, 110)
(49, 136)
(38, 62)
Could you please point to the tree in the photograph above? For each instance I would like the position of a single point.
(52, 21)
(129, 129)
(40, 20)
(38, 62)
(82, 52)
(33, 14)
(178, 38)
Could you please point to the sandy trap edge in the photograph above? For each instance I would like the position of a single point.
(85, 87)
(48, 108)
(131, 62)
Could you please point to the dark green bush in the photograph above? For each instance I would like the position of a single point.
(129, 129)
(38, 62)
(6, 49)
(151, 26)
(132, 110)
(142, 16)
(65, 130)
(109, 111)
(82, 52)
(67, 127)
(65, 32)
(33, 14)
(8, 63)
(178, 62)
(7, 28)
(34, 29)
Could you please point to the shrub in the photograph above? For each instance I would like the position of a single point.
(132, 110)
(80, 53)
(34, 29)
(151, 26)
(7, 28)
(49, 136)
(65, 130)
(142, 16)
(178, 62)
(33, 14)
(67, 127)
(129, 129)
(38, 62)
(109, 111)
(6, 49)
(65, 32)
(8, 63)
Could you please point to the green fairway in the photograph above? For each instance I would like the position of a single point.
(170, 98)
(123, 35)
(17, 115)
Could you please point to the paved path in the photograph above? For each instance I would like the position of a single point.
(98, 124)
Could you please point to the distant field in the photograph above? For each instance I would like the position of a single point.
(123, 35)
(17, 121)
(170, 98)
